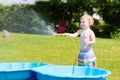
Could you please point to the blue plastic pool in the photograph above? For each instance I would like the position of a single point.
(18, 70)
(70, 73)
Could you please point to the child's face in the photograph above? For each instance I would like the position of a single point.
(84, 23)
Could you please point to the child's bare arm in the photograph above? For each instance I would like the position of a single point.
(92, 38)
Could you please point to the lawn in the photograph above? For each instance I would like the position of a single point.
(58, 50)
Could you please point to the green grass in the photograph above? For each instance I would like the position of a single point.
(58, 50)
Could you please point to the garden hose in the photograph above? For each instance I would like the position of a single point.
(58, 34)
(75, 46)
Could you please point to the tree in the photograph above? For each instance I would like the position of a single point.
(60, 10)
(4, 11)
(110, 12)
(55, 10)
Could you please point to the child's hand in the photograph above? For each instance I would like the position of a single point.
(66, 35)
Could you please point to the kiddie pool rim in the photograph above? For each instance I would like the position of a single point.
(40, 64)
(66, 76)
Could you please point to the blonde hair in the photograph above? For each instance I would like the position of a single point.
(89, 18)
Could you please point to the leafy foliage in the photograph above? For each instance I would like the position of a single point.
(53, 11)
(110, 11)
(57, 10)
